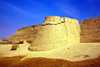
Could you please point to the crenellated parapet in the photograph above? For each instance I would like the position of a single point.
(53, 19)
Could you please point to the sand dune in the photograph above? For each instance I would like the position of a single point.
(72, 52)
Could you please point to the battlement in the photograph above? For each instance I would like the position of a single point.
(57, 20)
(53, 19)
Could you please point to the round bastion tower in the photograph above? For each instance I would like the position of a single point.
(54, 33)
(53, 19)
(51, 35)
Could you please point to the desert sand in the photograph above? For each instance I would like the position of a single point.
(72, 52)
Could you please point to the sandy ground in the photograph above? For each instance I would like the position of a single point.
(72, 52)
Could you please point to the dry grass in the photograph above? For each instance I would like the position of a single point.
(43, 62)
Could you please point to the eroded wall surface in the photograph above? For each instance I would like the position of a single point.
(90, 30)
(26, 33)
(73, 29)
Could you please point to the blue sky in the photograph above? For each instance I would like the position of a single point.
(15, 14)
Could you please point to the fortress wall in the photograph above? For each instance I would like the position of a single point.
(37, 26)
(90, 30)
(73, 30)
(26, 33)
(28, 28)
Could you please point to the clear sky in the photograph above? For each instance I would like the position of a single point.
(15, 14)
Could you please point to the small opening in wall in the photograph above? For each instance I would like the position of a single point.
(68, 48)
(53, 20)
(21, 42)
(48, 24)
(43, 25)
(59, 19)
(55, 24)
(58, 23)
(49, 20)
(62, 22)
